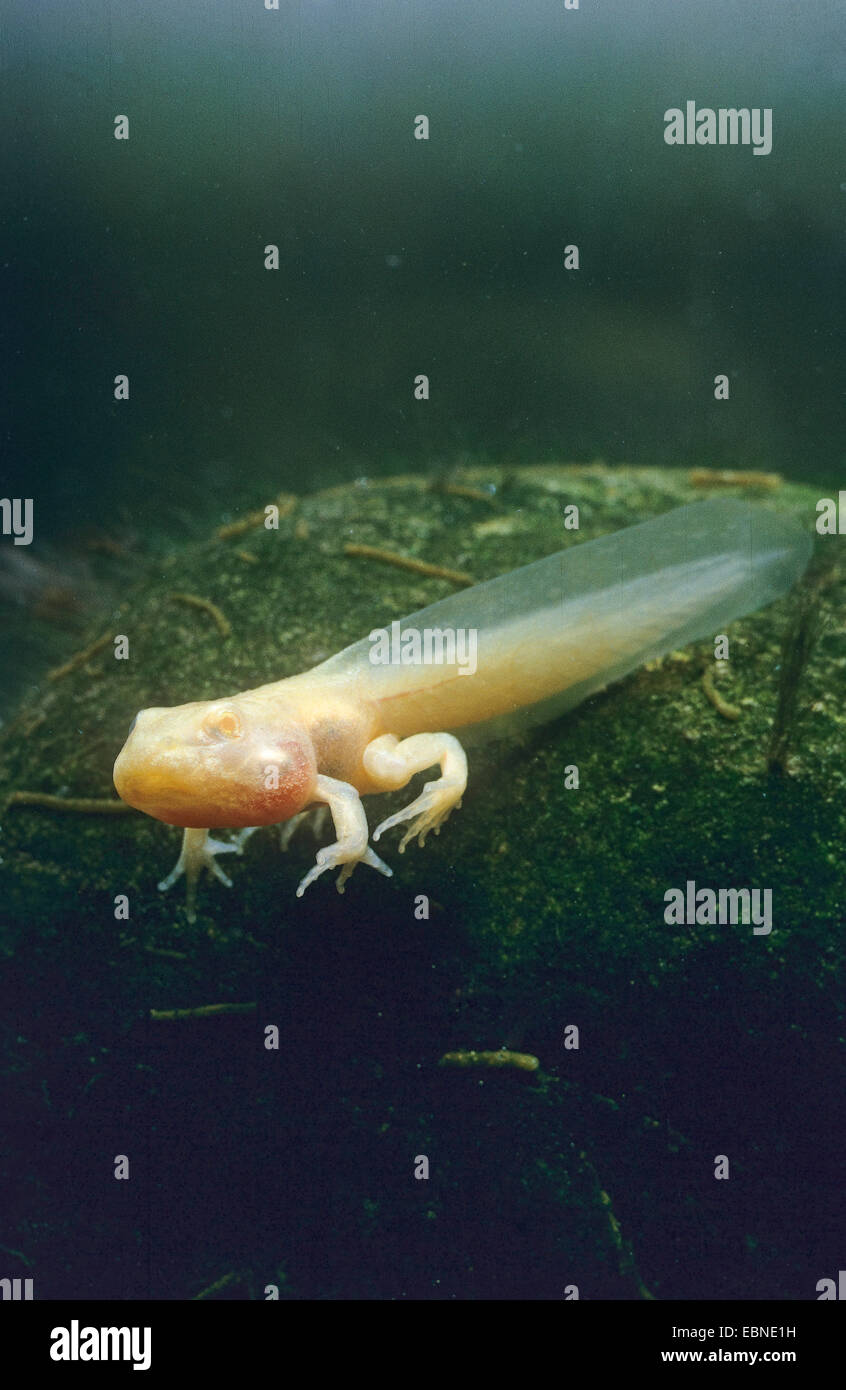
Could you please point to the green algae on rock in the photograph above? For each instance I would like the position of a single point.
(544, 894)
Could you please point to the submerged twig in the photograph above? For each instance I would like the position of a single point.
(522, 1061)
(729, 477)
(202, 1011)
(720, 704)
(91, 806)
(18, 1255)
(224, 626)
(80, 658)
(405, 562)
(799, 641)
(625, 1253)
(285, 503)
(232, 1278)
(473, 494)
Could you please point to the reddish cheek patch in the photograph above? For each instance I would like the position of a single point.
(282, 783)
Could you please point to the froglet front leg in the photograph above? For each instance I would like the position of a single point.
(351, 846)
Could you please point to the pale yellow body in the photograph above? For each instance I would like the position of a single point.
(345, 729)
(266, 755)
(539, 639)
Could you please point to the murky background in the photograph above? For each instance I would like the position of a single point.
(400, 256)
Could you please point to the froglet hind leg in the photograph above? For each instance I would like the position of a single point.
(351, 846)
(392, 764)
(314, 819)
(199, 852)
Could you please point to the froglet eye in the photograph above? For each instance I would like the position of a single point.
(222, 724)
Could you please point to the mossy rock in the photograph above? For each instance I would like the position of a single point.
(546, 910)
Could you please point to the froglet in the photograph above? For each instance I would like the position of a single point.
(542, 639)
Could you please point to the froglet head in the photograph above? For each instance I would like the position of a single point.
(215, 764)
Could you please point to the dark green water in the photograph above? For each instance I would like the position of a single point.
(400, 256)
